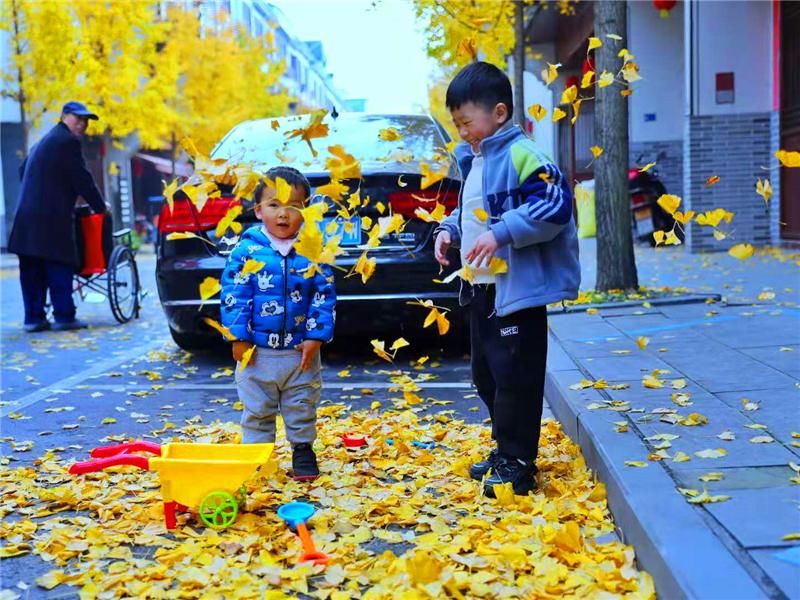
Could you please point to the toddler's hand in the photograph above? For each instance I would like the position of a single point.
(239, 348)
(441, 246)
(483, 250)
(309, 348)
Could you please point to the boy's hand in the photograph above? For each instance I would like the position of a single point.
(239, 348)
(483, 250)
(441, 246)
(309, 348)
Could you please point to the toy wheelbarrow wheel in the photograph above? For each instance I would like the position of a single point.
(218, 509)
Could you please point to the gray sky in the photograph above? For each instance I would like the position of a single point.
(376, 53)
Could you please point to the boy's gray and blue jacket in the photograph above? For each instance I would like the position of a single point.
(277, 307)
(530, 212)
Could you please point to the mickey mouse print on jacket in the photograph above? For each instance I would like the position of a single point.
(277, 307)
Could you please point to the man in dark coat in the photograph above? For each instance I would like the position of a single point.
(43, 235)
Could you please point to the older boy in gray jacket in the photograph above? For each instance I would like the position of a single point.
(530, 226)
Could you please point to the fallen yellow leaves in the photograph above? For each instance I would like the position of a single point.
(443, 539)
(741, 251)
(711, 453)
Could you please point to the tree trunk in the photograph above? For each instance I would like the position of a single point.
(616, 265)
(21, 97)
(519, 62)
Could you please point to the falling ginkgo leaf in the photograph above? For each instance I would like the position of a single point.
(647, 167)
(247, 355)
(596, 151)
(642, 342)
(550, 74)
(169, 192)
(481, 214)
(315, 128)
(712, 180)
(788, 158)
(226, 333)
(187, 235)
(251, 267)
(569, 95)
(537, 111)
(229, 221)
(595, 42)
(668, 202)
(209, 288)
(558, 114)
(741, 251)
(605, 79)
(430, 176)
(390, 134)
(764, 189)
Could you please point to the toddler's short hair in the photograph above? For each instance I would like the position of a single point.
(290, 175)
(483, 84)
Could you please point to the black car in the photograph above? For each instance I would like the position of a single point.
(390, 176)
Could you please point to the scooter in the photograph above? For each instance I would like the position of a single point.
(647, 216)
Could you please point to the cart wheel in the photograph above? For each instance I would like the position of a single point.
(124, 287)
(241, 497)
(218, 509)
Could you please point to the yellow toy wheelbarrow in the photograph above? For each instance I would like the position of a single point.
(207, 478)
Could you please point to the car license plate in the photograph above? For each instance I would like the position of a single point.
(349, 229)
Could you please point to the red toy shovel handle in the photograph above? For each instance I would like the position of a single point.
(137, 446)
(90, 466)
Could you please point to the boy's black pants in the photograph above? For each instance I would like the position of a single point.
(509, 357)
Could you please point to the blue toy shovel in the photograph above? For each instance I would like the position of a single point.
(296, 514)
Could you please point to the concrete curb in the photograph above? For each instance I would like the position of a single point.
(673, 541)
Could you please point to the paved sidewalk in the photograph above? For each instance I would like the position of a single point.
(740, 361)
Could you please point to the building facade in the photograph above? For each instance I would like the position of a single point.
(719, 95)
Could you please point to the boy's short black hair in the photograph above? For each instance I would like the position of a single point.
(290, 175)
(483, 84)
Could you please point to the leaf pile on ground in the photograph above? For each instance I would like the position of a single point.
(397, 520)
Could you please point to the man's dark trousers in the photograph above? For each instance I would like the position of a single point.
(37, 275)
(509, 358)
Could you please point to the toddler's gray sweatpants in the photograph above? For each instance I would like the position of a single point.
(271, 383)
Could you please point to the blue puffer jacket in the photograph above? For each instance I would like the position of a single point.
(277, 307)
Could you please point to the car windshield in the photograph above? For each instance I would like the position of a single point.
(266, 142)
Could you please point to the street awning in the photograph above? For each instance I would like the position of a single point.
(164, 165)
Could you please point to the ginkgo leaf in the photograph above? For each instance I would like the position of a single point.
(335, 190)
(642, 342)
(251, 267)
(791, 537)
(712, 180)
(229, 221)
(558, 114)
(209, 288)
(712, 218)
(726, 436)
(169, 193)
(605, 79)
(764, 189)
(315, 128)
(762, 439)
(187, 235)
(659, 236)
(365, 267)
(275, 124)
(498, 265)
(635, 463)
(711, 453)
(650, 381)
(596, 151)
(630, 72)
(390, 134)
(683, 217)
(481, 214)
(741, 251)
(341, 164)
(715, 476)
(668, 202)
(587, 79)
(706, 498)
(788, 158)
(378, 348)
(226, 333)
(537, 111)
(647, 167)
(399, 343)
(247, 355)
(569, 95)
(468, 47)
(681, 457)
(595, 42)
(550, 74)
(576, 109)
(430, 176)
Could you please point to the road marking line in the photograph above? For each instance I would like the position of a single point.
(80, 377)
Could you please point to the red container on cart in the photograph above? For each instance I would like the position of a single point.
(94, 259)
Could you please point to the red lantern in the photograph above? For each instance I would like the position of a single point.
(664, 6)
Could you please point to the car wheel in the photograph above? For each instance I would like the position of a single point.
(193, 341)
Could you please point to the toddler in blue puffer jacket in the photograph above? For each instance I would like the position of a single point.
(286, 315)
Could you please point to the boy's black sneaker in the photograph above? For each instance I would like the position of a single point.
(519, 472)
(304, 463)
(479, 470)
